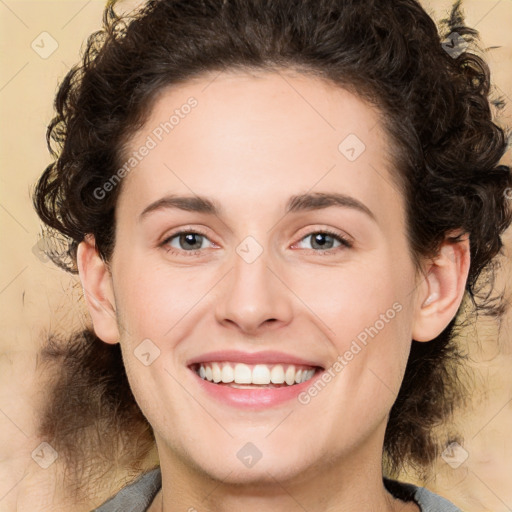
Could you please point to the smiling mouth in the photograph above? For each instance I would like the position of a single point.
(246, 376)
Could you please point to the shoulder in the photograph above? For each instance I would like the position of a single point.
(427, 500)
(135, 497)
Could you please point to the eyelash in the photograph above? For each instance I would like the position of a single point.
(345, 243)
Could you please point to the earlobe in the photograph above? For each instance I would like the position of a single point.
(442, 291)
(98, 291)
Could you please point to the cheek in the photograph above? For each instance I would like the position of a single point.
(365, 311)
(346, 300)
(152, 298)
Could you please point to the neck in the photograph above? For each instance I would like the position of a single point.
(329, 486)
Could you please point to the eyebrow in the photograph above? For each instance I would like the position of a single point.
(295, 204)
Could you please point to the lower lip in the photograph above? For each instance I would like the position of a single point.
(257, 398)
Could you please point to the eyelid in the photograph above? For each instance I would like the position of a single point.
(182, 230)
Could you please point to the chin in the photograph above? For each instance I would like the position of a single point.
(263, 472)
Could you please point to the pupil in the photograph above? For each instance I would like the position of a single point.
(190, 238)
(320, 240)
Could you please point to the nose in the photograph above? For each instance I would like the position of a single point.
(255, 297)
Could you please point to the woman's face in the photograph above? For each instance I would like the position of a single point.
(283, 159)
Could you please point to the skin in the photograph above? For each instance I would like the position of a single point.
(480, 484)
(249, 145)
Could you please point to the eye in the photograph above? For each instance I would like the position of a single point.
(192, 241)
(326, 241)
(185, 241)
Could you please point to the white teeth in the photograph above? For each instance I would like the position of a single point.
(243, 374)
(228, 375)
(216, 372)
(290, 375)
(259, 374)
(277, 374)
(307, 375)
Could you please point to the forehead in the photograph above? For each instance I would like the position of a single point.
(244, 137)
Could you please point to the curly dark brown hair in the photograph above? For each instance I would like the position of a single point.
(434, 105)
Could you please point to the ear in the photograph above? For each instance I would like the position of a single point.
(441, 293)
(98, 290)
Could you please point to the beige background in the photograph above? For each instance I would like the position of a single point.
(35, 297)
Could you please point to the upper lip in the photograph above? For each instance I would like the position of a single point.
(263, 357)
